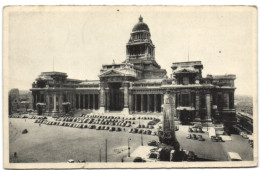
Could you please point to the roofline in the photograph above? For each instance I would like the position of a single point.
(186, 62)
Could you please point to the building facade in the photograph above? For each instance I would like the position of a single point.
(19, 101)
(138, 85)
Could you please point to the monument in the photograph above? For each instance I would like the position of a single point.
(169, 144)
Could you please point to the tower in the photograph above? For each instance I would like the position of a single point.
(140, 45)
(140, 52)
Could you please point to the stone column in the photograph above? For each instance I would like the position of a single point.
(130, 102)
(226, 99)
(98, 104)
(94, 102)
(47, 102)
(33, 101)
(142, 102)
(60, 102)
(88, 101)
(102, 98)
(74, 100)
(148, 103)
(36, 98)
(231, 99)
(108, 101)
(54, 103)
(162, 102)
(155, 102)
(126, 93)
(197, 107)
(84, 101)
(135, 102)
(79, 101)
(208, 106)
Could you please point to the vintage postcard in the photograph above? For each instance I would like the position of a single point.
(130, 86)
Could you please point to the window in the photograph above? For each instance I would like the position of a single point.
(185, 80)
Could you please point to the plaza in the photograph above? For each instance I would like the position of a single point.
(48, 143)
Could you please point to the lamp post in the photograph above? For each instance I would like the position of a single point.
(106, 150)
(129, 147)
(142, 143)
(142, 138)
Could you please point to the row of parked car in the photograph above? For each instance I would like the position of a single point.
(100, 121)
(145, 126)
(79, 125)
(107, 117)
(251, 143)
(196, 129)
(28, 117)
(14, 116)
(195, 137)
(216, 139)
(142, 131)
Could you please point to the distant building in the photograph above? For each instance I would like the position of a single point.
(13, 100)
(138, 85)
(19, 101)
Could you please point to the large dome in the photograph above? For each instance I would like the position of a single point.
(140, 26)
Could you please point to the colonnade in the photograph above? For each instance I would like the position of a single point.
(147, 102)
(136, 102)
(87, 101)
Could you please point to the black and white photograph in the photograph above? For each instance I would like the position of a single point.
(130, 86)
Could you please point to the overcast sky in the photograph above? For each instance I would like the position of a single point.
(82, 39)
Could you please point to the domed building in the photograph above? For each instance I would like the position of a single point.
(138, 85)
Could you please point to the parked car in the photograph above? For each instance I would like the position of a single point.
(200, 130)
(213, 139)
(92, 127)
(152, 143)
(148, 132)
(245, 136)
(200, 138)
(219, 139)
(71, 161)
(153, 133)
(153, 155)
(233, 156)
(189, 136)
(191, 156)
(112, 129)
(194, 137)
(139, 159)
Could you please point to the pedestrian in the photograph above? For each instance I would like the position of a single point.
(15, 154)
(122, 160)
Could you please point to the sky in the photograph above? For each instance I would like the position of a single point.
(79, 40)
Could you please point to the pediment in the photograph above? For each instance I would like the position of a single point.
(112, 73)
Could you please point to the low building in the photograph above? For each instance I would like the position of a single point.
(138, 85)
(19, 101)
